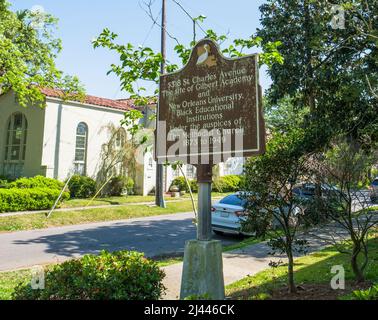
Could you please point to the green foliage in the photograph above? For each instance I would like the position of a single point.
(27, 57)
(330, 71)
(36, 182)
(82, 187)
(4, 183)
(181, 184)
(131, 121)
(120, 275)
(229, 183)
(118, 186)
(29, 199)
(369, 294)
(143, 63)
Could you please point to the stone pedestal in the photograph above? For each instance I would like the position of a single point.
(203, 270)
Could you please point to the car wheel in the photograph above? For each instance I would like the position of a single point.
(218, 233)
(373, 200)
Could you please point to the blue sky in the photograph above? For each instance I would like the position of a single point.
(82, 20)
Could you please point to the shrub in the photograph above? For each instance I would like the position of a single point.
(193, 186)
(29, 199)
(181, 184)
(36, 182)
(121, 275)
(82, 187)
(230, 183)
(118, 186)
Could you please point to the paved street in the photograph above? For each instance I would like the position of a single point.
(151, 235)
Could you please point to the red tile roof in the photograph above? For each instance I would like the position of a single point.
(122, 104)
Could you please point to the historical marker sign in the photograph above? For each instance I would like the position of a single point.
(211, 109)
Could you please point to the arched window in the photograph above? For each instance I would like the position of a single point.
(15, 145)
(81, 149)
(120, 138)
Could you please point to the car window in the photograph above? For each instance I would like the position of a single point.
(309, 191)
(233, 200)
(375, 182)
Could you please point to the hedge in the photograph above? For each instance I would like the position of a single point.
(123, 275)
(36, 182)
(229, 183)
(29, 199)
(181, 184)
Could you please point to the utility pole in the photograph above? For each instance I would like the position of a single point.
(159, 187)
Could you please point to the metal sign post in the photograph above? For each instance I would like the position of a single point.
(204, 179)
(209, 111)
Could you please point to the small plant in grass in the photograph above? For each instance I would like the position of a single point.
(123, 275)
(369, 294)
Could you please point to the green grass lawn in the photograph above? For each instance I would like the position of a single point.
(9, 280)
(39, 220)
(312, 269)
(74, 203)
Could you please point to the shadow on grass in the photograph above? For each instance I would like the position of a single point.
(314, 269)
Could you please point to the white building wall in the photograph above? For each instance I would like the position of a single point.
(59, 141)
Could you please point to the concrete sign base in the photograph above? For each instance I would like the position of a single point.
(203, 270)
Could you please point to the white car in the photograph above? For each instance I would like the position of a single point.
(227, 213)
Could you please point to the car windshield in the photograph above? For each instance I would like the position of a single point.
(234, 200)
(375, 182)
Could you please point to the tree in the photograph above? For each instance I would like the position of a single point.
(344, 166)
(143, 63)
(331, 71)
(27, 56)
(270, 180)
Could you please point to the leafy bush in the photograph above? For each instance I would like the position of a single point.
(29, 199)
(118, 186)
(36, 182)
(369, 294)
(193, 185)
(230, 183)
(82, 187)
(181, 184)
(121, 275)
(4, 184)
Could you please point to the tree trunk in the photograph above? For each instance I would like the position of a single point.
(355, 267)
(290, 274)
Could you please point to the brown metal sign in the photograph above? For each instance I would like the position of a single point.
(211, 109)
